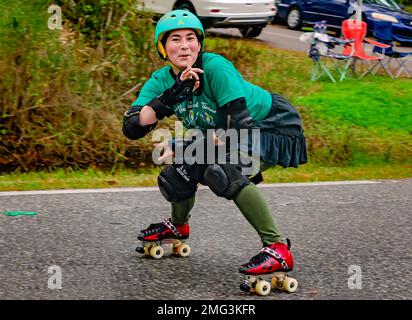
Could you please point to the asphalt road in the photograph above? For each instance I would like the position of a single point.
(273, 35)
(91, 237)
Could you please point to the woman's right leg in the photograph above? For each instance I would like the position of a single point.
(175, 183)
(181, 210)
(176, 227)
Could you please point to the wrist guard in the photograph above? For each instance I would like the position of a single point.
(179, 92)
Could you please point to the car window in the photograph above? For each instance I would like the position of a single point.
(386, 3)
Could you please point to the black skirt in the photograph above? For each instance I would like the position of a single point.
(282, 141)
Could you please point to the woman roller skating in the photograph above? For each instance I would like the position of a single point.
(205, 91)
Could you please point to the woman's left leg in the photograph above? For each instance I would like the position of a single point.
(275, 254)
(255, 209)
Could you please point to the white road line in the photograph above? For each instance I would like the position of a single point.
(150, 189)
(317, 184)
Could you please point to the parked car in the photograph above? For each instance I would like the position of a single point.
(296, 13)
(249, 16)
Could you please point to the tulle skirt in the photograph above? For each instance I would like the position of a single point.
(282, 141)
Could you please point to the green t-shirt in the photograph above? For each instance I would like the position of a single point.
(222, 84)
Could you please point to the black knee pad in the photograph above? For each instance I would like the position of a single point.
(225, 180)
(176, 183)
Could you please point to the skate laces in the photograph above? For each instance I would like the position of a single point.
(264, 254)
(257, 259)
(160, 227)
(154, 228)
(172, 227)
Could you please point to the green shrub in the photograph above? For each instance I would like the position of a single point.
(63, 93)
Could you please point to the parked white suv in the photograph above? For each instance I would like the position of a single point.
(249, 16)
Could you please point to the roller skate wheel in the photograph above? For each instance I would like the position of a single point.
(290, 285)
(183, 250)
(156, 252)
(251, 279)
(262, 288)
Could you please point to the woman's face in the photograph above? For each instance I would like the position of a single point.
(182, 48)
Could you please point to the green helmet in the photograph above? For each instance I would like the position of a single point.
(173, 20)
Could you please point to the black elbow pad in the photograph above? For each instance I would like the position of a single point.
(132, 128)
(239, 114)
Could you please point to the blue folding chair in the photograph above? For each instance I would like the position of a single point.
(383, 33)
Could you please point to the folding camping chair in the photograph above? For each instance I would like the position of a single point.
(356, 30)
(320, 48)
(382, 30)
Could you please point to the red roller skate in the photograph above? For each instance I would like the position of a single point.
(165, 233)
(273, 261)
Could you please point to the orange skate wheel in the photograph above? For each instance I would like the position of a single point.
(183, 250)
(277, 280)
(174, 245)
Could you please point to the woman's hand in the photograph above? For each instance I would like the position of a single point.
(191, 73)
(167, 153)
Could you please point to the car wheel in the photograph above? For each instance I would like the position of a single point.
(251, 32)
(294, 18)
(189, 7)
(186, 6)
(405, 44)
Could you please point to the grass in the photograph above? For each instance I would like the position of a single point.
(78, 179)
(74, 179)
(314, 173)
(374, 103)
(359, 122)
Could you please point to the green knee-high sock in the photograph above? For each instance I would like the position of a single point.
(181, 210)
(253, 206)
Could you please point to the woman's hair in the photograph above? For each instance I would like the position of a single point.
(164, 38)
